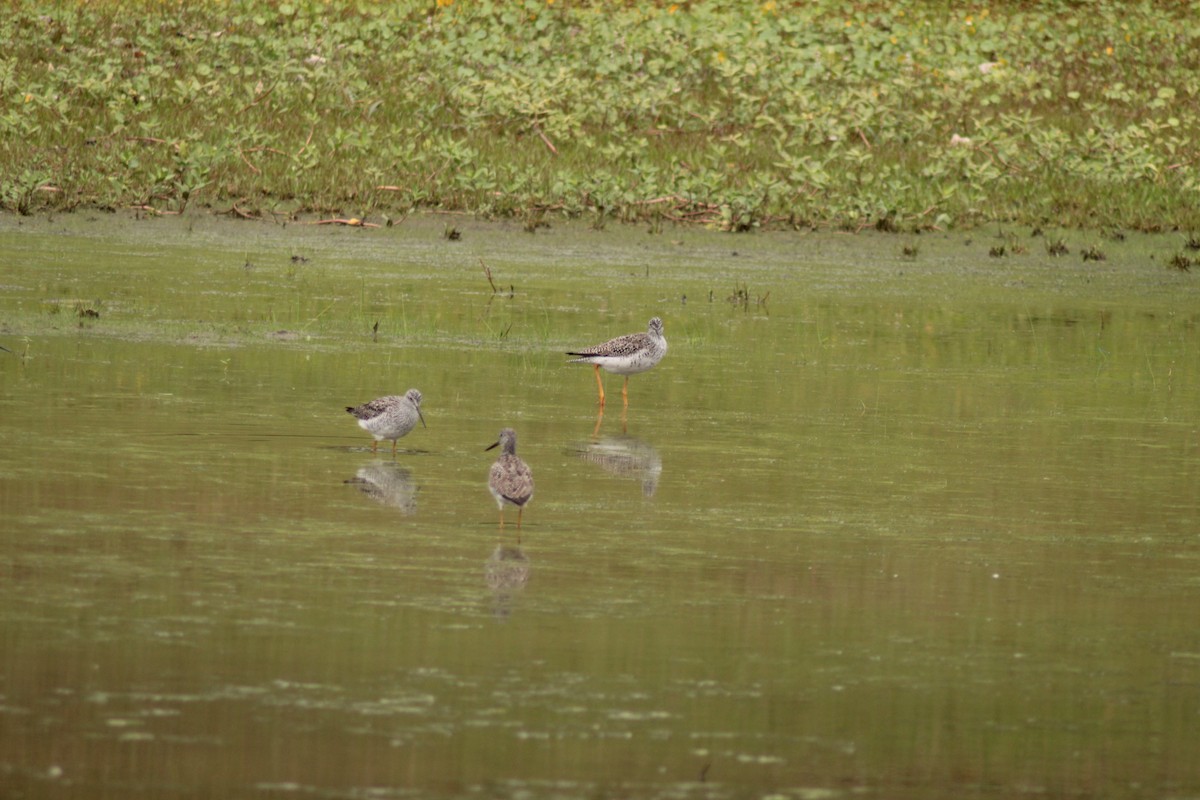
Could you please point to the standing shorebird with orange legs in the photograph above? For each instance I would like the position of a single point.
(625, 355)
(510, 480)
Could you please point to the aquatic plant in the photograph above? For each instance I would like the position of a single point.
(1057, 247)
(738, 116)
(1181, 262)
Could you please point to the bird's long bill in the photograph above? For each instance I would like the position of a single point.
(421, 417)
(492, 446)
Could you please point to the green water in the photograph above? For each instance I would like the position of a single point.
(911, 527)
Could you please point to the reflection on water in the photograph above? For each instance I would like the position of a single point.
(506, 572)
(389, 484)
(624, 457)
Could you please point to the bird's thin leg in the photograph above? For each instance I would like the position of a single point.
(374, 445)
(394, 441)
(625, 392)
(599, 385)
(599, 419)
(520, 511)
(501, 519)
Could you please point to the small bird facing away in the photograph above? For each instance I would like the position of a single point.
(510, 480)
(625, 355)
(389, 417)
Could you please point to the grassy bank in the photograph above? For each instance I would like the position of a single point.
(903, 116)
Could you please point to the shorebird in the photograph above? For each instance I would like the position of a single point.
(510, 480)
(625, 355)
(389, 417)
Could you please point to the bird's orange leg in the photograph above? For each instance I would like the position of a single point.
(599, 385)
(394, 441)
(599, 419)
(625, 392)
(374, 445)
(502, 519)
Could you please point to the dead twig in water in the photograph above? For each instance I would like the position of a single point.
(153, 210)
(304, 327)
(488, 272)
(741, 297)
(353, 222)
(233, 209)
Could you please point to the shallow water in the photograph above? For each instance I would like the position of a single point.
(910, 528)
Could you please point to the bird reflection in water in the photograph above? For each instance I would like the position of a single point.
(625, 457)
(388, 484)
(506, 572)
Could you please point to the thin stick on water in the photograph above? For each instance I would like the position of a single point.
(488, 272)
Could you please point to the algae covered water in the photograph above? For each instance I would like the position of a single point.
(879, 524)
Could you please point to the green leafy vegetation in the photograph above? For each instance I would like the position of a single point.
(904, 117)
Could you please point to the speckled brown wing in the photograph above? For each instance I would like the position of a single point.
(621, 346)
(374, 408)
(512, 479)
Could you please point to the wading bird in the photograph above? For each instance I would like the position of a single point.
(510, 480)
(389, 417)
(625, 355)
